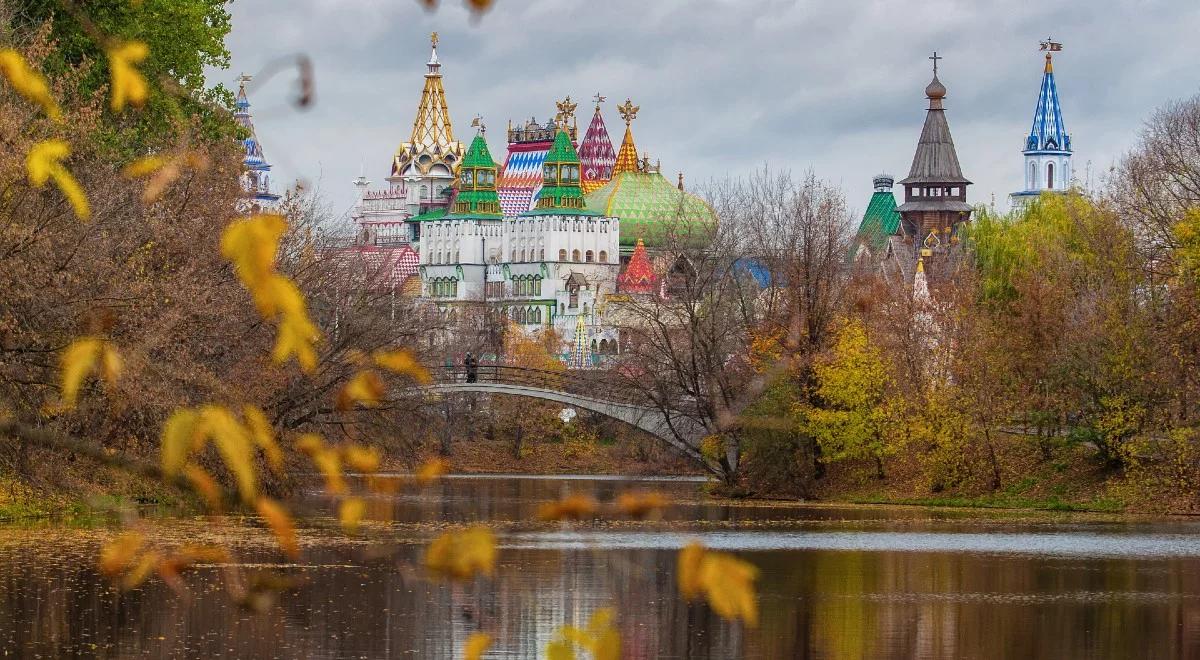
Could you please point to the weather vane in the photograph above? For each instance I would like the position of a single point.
(477, 122)
(433, 39)
(935, 59)
(628, 111)
(599, 99)
(1051, 45)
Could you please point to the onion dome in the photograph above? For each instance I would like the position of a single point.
(561, 192)
(649, 207)
(477, 183)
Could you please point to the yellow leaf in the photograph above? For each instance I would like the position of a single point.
(144, 166)
(560, 649)
(688, 570)
(640, 504)
(403, 363)
(205, 485)
(43, 162)
(310, 443)
(365, 388)
(119, 553)
(110, 364)
(571, 507)
(281, 525)
(330, 465)
(729, 584)
(141, 570)
(726, 582)
(263, 436)
(78, 360)
(431, 470)
(462, 554)
(250, 243)
(128, 85)
(350, 513)
(476, 644)
(296, 337)
(28, 83)
(363, 459)
(234, 444)
(179, 440)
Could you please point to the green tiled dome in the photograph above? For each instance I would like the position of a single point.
(648, 206)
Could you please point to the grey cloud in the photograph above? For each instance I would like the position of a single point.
(725, 85)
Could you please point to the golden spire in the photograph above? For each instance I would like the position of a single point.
(627, 157)
(432, 134)
(921, 264)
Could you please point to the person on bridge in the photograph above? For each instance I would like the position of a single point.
(472, 366)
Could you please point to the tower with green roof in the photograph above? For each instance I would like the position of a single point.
(476, 184)
(561, 189)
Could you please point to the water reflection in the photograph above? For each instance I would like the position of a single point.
(836, 583)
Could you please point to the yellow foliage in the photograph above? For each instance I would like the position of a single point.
(600, 638)
(726, 582)
(118, 554)
(128, 84)
(205, 485)
(330, 465)
(432, 470)
(403, 363)
(44, 163)
(144, 166)
(263, 436)
(233, 444)
(476, 644)
(28, 83)
(363, 459)
(571, 507)
(281, 525)
(165, 171)
(310, 443)
(250, 243)
(141, 570)
(639, 504)
(350, 513)
(366, 388)
(179, 440)
(81, 358)
(462, 554)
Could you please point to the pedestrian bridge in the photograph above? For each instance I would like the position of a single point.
(584, 390)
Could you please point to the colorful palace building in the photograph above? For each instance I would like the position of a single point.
(549, 239)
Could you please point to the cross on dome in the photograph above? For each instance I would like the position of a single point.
(935, 57)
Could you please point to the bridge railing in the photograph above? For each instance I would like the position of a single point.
(589, 383)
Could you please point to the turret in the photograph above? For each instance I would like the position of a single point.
(1048, 146)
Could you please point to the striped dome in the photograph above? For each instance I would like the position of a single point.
(649, 207)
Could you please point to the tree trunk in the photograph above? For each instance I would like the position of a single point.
(987, 436)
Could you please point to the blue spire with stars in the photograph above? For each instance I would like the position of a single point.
(256, 181)
(1049, 133)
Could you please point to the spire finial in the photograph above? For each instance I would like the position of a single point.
(681, 179)
(477, 122)
(599, 99)
(1050, 46)
(628, 111)
(935, 57)
(433, 39)
(566, 111)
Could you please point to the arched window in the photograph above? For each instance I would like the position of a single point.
(1032, 176)
(514, 254)
(589, 256)
(1049, 175)
(542, 254)
(562, 255)
(594, 347)
(575, 255)
(603, 256)
(585, 309)
(522, 254)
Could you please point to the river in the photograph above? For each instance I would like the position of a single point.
(836, 582)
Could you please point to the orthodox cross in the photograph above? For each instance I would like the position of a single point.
(433, 39)
(935, 59)
(628, 111)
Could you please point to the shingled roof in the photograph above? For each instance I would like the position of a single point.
(935, 160)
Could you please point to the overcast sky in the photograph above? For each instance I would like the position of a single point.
(724, 86)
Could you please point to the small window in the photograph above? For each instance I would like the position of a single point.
(603, 256)
(1050, 176)
(575, 255)
(589, 256)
